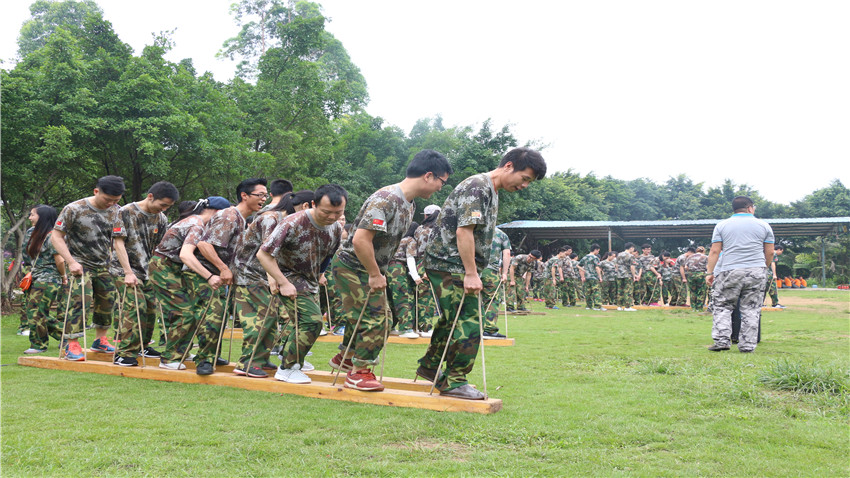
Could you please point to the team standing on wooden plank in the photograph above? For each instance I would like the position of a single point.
(269, 264)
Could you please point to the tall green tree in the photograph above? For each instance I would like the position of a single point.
(46, 16)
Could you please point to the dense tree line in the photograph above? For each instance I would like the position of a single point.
(79, 105)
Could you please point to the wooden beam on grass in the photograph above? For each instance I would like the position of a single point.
(337, 339)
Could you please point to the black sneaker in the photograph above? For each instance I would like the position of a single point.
(493, 335)
(426, 373)
(239, 369)
(718, 348)
(269, 366)
(220, 362)
(151, 353)
(204, 368)
(256, 372)
(126, 361)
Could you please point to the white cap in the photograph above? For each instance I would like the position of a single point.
(431, 209)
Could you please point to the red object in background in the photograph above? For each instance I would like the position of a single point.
(11, 264)
(844, 286)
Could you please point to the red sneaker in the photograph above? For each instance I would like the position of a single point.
(74, 352)
(364, 380)
(337, 360)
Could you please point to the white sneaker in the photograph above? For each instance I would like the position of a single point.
(26, 333)
(172, 366)
(323, 333)
(292, 375)
(619, 308)
(409, 334)
(426, 335)
(587, 308)
(308, 367)
(629, 309)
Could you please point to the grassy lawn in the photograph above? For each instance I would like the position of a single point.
(585, 393)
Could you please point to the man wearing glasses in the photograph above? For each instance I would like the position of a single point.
(217, 248)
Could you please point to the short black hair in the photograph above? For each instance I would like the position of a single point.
(536, 253)
(566, 248)
(334, 192)
(594, 247)
(279, 187)
(164, 189)
(428, 161)
(779, 247)
(524, 158)
(111, 185)
(412, 229)
(573, 255)
(646, 246)
(665, 254)
(691, 249)
(628, 246)
(741, 202)
(247, 186)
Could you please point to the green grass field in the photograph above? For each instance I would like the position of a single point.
(584, 393)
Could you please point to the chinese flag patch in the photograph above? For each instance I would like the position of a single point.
(476, 214)
(377, 222)
(117, 229)
(58, 223)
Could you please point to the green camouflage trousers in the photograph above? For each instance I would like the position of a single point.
(549, 292)
(178, 292)
(678, 291)
(665, 291)
(609, 292)
(426, 308)
(100, 296)
(492, 290)
(770, 287)
(697, 287)
(648, 290)
(569, 294)
(256, 308)
(519, 294)
(625, 292)
(220, 302)
(592, 294)
(353, 287)
(309, 325)
(329, 293)
(139, 307)
(464, 342)
(400, 295)
(41, 324)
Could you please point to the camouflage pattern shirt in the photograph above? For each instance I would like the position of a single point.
(680, 262)
(88, 232)
(301, 247)
(44, 269)
(223, 233)
(646, 262)
(474, 202)
(552, 262)
(624, 261)
(590, 262)
(539, 272)
(421, 236)
(609, 270)
(696, 263)
(142, 232)
(407, 247)
(501, 242)
(389, 214)
(521, 265)
(247, 269)
(667, 270)
(191, 228)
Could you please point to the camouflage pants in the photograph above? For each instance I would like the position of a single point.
(625, 292)
(519, 294)
(770, 286)
(592, 294)
(426, 306)
(178, 292)
(609, 292)
(697, 287)
(678, 291)
(549, 292)
(100, 296)
(219, 305)
(666, 289)
(730, 286)
(139, 307)
(492, 290)
(400, 295)
(309, 315)
(353, 288)
(42, 325)
(570, 292)
(650, 289)
(256, 308)
(464, 342)
(329, 294)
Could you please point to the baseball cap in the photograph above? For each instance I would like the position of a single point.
(217, 202)
(431, 209)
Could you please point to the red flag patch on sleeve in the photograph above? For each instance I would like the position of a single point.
(58, 223)
(116, 229)
(377, 222)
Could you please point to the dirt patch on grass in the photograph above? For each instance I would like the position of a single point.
(795, 301)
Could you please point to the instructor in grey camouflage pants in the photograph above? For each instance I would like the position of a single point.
(747, 246)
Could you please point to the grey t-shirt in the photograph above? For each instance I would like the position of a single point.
(743, 237)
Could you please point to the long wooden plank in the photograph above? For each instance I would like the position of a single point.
(671, 307)
(391, 397)
(419, 385)
(337, 339)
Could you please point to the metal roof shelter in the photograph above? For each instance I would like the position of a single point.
(641, 230)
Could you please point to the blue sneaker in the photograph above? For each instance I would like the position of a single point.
(74, 352)
(340, 331)
(102, 345)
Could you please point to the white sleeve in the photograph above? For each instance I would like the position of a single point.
(411, 267)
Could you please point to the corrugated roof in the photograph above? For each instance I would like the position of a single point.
(628, 230)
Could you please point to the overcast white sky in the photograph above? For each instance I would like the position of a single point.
(753, 91)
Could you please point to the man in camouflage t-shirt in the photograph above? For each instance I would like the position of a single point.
(522, 267)
(83, 237)
(360, 267)
(217, 248)
(492, 277)
(457, 253)
(626, 277)
(295, 255)
(136, 233)
(695, 268)
(679, 289)
(590, 275)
